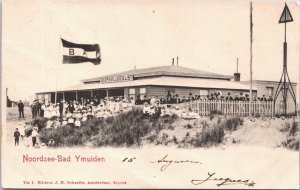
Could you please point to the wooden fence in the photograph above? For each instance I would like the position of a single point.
(265, 108)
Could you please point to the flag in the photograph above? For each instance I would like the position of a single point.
(80, 53)
(286, 15)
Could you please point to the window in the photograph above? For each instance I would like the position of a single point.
(142, 92)
(132, 93)
(270, 90)
(47, 96)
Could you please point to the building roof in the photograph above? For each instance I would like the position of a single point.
(165, 81)
(166, 71)
(265, 81)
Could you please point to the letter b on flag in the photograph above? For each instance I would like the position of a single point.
(71, 51)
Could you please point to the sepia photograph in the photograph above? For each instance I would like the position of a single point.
(150, 94)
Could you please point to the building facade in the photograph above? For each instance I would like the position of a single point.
(162, 81)
(268, 88)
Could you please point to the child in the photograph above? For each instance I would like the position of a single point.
(36, 145)
(79, 115)
(152, 110)
(71, 121)
(77, 123)
(56, 124)
(17, 135)
(64, 122)
(47, 112)
(35, 127)
(177, 111)
(51, 142)
(34, 134)
(22, 130)
(49, 124)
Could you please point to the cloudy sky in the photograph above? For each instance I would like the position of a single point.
(205, 35)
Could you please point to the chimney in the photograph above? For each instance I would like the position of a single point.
(237, 75)
(173, 61)
(177, 61)
(135, 67)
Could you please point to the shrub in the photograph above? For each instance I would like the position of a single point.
(169, 119)
(291, 142)
(164, 138)
(152, 137)
(294, 128)
(209, 136)
(188, 126)
(285, 127)
(204, 123)
(125, 129)
(175, 140)
(40, 122)
(232, 123)
(293, 135)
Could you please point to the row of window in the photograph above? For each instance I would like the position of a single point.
(142, 91)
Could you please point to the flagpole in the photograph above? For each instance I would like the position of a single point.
(57, 70)
(251, 57)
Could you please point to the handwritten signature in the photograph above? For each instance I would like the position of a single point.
(167, 163)
(223, 181)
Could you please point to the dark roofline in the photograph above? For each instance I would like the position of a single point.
(266, 81)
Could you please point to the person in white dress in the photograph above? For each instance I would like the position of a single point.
(77, 123)
(146, 109)
(64, 122)
(71, 121)
(56, 124)
(49, 124)
(53, 110)
(47, 113)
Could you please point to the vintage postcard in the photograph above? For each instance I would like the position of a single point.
(150, 94)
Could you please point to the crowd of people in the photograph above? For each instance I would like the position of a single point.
(74, 113)
(217, 96)
(169, 110)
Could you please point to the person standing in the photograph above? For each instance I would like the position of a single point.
(33, 110)
(21, 109)
(38, 108)
(42, 110)
(61, 109)
(17, 136)
(71, 107)
(34, 134)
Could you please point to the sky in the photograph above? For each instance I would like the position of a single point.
(205, 35)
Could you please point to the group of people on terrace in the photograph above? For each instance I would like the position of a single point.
(216, 96)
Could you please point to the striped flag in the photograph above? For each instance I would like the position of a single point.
(80, 53)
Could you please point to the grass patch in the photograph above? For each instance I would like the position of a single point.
(293, 135)
(126, 129)
(232, 123)
(214, 134)
(209, 136)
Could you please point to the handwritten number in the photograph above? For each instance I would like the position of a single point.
(128, 159)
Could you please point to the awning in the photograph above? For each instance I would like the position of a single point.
(165, 81)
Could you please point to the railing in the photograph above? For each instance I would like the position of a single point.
(261, 108)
